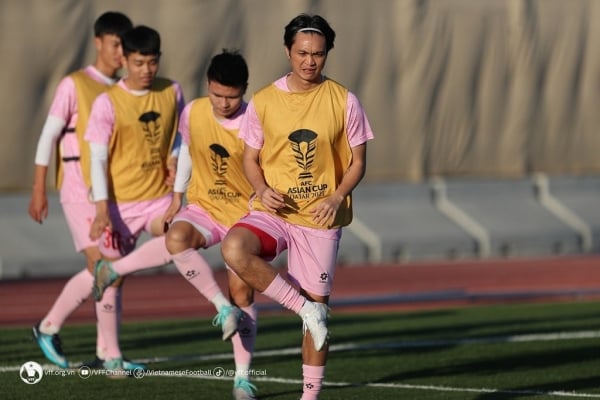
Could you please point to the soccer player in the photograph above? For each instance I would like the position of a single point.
(305, 151)
(64, 129)
(210, 173)
(131, 132)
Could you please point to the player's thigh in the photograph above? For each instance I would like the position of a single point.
(79, 217)
(193, 226)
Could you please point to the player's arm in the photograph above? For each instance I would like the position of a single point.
(59, 114)
(172, 160)
(325, 211)
(359, 132)
(182, 179)
(98, 132)
(99, 177)
(253, 136)
(38, 204)
(269, 197)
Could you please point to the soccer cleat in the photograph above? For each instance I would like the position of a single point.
(316, 322)
(51, 347)
(129, 365)
(227, 318)
(114, 369)
(104, 276)
(97, 363)
(244, 390)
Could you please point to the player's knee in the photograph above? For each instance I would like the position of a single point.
(177, 240)
(232, 250)
(242, 296)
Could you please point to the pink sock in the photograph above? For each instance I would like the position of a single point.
(285, 294)
(108, 312)
(100, 344)
(193, 267)
(152, 253)
(313, 379)
(75, 292)
(243, 340)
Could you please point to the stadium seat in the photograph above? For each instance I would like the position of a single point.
(517, 224)
(581, 194)
(409, 227)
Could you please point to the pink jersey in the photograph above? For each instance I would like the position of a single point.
(100, 125)
(227, 123)
(100, 129)
(358, 127)
(64, 106)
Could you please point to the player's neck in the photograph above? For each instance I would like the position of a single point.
(106, 70)
(296, 84)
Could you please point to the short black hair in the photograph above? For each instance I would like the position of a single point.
(112, 23)
(317, 25)
(229, 69)
(141, 39)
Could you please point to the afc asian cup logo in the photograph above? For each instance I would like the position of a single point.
(151, 126)
(31, 372)
(218, 158)
(304, 145)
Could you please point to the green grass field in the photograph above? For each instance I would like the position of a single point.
(539, 351)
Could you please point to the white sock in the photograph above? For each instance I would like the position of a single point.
(241, 371)
(220, 301)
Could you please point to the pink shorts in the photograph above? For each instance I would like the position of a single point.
(79, 218)
(129, 221)
(312, 253)
(201, 220)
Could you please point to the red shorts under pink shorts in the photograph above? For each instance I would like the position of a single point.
(312, 253)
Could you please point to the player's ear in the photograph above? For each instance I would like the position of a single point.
(98, 43)
(124, 61)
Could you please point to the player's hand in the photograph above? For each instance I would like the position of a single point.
(173, 209)
(171, 171)
(271, 199)
(324, 213)
(101, 223)
(38, 207)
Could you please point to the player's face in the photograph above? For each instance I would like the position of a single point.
(141, 70)
(307, 56)
(110, 53)
(225, 100)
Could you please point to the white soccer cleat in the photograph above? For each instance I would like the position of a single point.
(228, 318)
(315, 321)
(244, 390)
